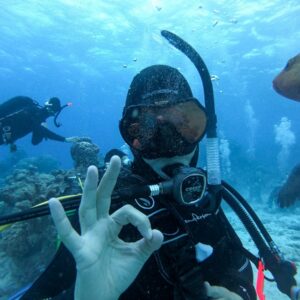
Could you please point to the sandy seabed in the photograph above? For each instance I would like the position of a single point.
(284, 227)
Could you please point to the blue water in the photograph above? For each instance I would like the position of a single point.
(87, 52)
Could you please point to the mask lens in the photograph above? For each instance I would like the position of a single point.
(188, 118)
(134, 129)
(141, 124)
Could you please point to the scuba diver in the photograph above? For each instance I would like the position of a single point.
(201, 256)
(21, 115)
(163, 124)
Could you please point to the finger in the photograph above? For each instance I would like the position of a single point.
(147, 246)
(128, 214)
(211, 291)
(68, 235)
(217, 292)
(107, 185)
(87, 208)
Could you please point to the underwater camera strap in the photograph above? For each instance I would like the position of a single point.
(188, 188)
(69, 202)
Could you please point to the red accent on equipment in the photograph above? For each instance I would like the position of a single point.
(260, 281)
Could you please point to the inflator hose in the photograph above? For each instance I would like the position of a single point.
(282, 270)
(243, 216)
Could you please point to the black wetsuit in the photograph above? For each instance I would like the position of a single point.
(173, 271)
(21, 115)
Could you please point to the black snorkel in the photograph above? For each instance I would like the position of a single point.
(212, 144)
(57, 124)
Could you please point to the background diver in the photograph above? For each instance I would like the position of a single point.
(22, 115)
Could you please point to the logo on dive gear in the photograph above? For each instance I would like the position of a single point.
(196, 218)
(145, 203)
(193, 189)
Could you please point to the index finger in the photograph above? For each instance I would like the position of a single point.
(128, 214)
(219, 292)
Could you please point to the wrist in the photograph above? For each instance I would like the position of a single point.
(94, 294)
(87, 287)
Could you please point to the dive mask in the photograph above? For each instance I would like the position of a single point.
(164, 130)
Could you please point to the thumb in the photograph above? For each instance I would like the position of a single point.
(148, 246)
(207, 287)
(213, 291)
(219, 292)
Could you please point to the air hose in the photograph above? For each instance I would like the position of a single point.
(251, 212)
(282, 270)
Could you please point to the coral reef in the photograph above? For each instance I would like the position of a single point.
(7, 164)
(29, 245)
(84, 153)
(44, 163)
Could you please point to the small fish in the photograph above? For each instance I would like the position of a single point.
(287, 82)
(214, 77)
(233, 21)
(215, 23)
